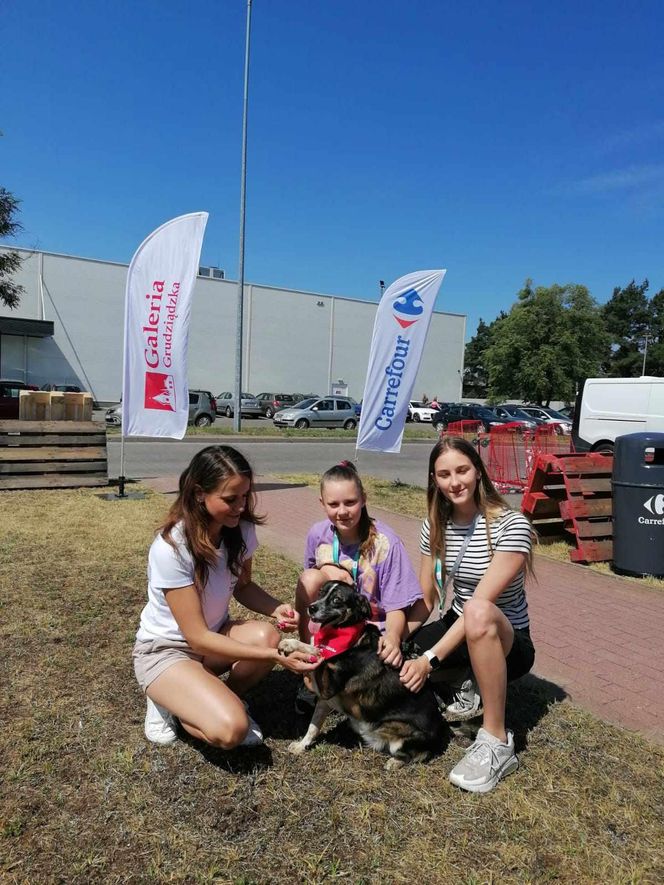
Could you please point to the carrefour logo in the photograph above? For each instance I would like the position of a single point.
(655, 505)
(408, 308)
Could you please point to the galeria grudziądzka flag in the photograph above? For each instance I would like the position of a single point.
(160, 282)
(400, 330)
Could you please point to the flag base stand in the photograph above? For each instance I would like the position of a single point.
(121, 494)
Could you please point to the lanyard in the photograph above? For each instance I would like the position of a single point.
(457, 562)
(335, 555)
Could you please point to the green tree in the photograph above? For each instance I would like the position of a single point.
(654, 356)
(475, 374)
(627, 318)
(10, 293)
(552, 337)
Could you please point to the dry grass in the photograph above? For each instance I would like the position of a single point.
(411, 501)
(85, 799)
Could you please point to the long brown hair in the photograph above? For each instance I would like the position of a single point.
(208, 469)
(488, 501)
(346, 471)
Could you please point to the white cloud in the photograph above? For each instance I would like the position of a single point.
(630, 178)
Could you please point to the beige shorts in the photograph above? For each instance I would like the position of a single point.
(152, 657)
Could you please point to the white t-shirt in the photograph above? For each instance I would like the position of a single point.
(169, 567)
(511, 532)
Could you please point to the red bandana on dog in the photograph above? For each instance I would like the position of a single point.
(333, 641)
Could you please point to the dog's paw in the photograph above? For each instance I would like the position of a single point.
(288, 646)
(297, 748)
(394, 763)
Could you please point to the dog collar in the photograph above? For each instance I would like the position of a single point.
(333, 641)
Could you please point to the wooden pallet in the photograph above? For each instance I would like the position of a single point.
(52, 454)
(572, 494)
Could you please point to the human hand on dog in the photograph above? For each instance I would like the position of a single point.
(389, 650)
(414, 673)
(299, 661)
(286, 617)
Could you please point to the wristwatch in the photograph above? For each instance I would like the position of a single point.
(434, 662)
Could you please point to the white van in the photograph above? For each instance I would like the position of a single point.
(609, 407)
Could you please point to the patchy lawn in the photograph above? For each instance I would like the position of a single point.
(84, 798)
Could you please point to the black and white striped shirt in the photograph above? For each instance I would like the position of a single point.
(510, 533)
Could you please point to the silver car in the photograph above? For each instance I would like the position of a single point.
(202, 410)
(327, 411)
(549, 416)
(250, 407)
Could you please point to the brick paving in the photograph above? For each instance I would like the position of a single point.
(598, 637)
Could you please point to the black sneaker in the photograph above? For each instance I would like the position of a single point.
(305, 701)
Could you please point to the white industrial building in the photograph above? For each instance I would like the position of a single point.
(68, 329)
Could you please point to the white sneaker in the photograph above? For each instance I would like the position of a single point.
(485, 763)
(254, 737)
(467, 703)
(159, 724)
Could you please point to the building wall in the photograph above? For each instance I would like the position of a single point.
(293, 341)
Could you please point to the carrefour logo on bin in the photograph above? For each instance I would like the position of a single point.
(655, 505)
(408, 308)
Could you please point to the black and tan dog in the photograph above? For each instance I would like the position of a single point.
(356, 683)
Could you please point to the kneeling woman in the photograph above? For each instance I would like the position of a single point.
(200, 558)
(486, 549)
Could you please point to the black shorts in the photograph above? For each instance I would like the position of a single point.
(519, 660)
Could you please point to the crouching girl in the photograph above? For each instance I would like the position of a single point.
(201, 557)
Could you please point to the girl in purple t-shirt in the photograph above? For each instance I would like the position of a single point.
(351, 546)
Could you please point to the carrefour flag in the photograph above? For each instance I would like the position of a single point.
(160, 282)
(400, 330)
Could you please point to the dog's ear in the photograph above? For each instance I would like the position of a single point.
(365, 608)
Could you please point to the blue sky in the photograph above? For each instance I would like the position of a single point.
(501, 140)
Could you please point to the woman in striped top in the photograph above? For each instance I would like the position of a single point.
(473, 541)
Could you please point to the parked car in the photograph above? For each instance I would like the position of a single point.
(568, 412)
(249, 405)
(610, 407)
(113, 416)
(9, 396)
(298, 397)
(513, 412)
(329, 411)
(202, 410)
(419, 412)
(273, 402)
(468, 412)
(549, 416)
(64, 388)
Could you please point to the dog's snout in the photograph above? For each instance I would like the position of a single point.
(312, 609)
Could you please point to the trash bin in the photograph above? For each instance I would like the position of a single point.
(638, 504)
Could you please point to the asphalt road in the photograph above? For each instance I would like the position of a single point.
(148, 458)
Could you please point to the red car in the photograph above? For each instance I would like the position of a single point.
(9, 392)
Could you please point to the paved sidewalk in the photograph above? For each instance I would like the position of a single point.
(601, 638)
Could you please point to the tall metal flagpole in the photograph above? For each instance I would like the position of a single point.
(237, 415)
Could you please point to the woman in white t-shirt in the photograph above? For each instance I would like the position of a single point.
(473, 540)
(200, 558)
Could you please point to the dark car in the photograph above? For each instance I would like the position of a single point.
(273, 402)
(467, 412)
(63, 388)
(9, 395)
